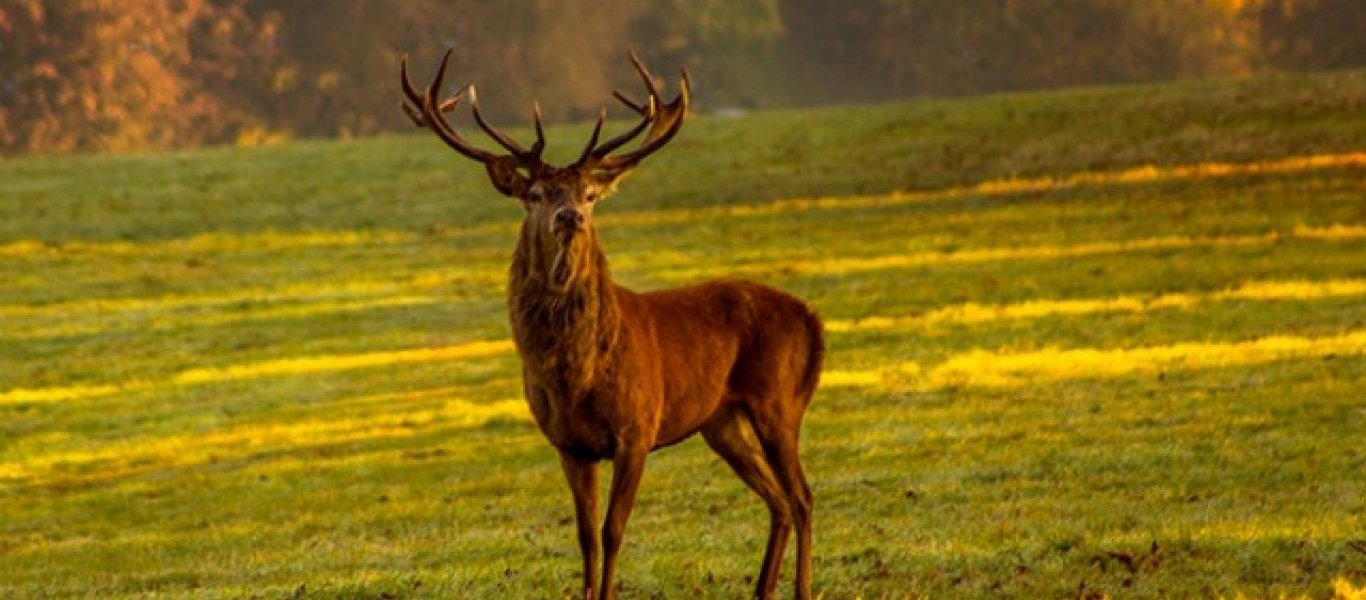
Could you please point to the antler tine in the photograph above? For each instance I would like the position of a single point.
(592, 139)
(539, 146)
(644, 74)
(498, 136)
(640, 109)
(414, 111)
(409, 90)
(611, 145)
(431, 112)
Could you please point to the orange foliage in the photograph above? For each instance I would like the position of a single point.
(114, 76)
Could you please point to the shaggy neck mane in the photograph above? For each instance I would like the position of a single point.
(565, 316)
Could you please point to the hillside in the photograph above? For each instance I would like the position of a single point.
(1105, 341)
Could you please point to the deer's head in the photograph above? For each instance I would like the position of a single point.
(558, 224)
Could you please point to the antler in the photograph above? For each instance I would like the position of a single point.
(664, 121)
(427, 112)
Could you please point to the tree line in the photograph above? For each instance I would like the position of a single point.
(115, 75)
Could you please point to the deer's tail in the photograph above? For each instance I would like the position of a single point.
(815, 359)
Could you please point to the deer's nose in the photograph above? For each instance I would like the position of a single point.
(569, 217)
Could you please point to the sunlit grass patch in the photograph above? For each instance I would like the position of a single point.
(285, 366)
(971, 313)
(291, 292)
(845, 265)
(208, 243)
(1003, 369)
(124, 458)
(1336, 231)
(998, 187)
(318, 364)
(66, 393)
(1344, 589)
(222, 317)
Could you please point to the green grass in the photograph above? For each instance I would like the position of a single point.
(1075, 386)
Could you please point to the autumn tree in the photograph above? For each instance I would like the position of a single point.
(109, 75)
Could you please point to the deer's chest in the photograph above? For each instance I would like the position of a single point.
(577, 426)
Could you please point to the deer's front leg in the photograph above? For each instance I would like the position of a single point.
(627, 467)
(583, 483)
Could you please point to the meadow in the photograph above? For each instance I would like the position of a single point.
(1106, 342)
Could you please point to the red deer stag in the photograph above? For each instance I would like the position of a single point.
(615, 374)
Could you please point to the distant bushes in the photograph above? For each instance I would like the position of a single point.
(99, 75)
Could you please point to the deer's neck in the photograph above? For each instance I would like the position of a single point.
(566, 333)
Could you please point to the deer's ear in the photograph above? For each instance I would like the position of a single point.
(506, 178)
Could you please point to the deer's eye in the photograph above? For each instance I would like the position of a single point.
(591, 197)
(535, 194)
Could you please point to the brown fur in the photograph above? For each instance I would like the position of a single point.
(611, 374)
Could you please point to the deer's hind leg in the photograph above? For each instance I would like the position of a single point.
(779, 441)
(732, 435)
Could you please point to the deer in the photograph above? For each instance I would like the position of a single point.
(611, 374)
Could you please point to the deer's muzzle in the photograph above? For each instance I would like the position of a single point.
(567, 220)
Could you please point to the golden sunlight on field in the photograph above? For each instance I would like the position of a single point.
(278, 240)
(67, 326)
(975, 367)
(984, 368)
(1002, 187)
(211, 242)
(977, 313)
(848, 265)
(288, 366)
(294, 292)
(125, 457)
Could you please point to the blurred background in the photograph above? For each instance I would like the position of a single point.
(119, 75)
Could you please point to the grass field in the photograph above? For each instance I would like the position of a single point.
(1104, 342)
